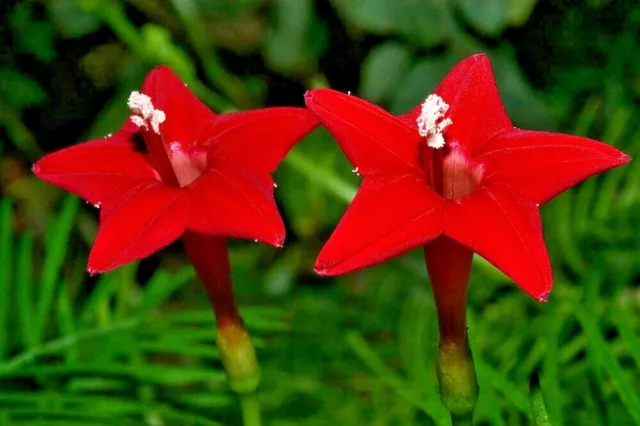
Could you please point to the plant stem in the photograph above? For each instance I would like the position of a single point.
(449, 267)
(250, 407)
(464, 420)
(210, 258)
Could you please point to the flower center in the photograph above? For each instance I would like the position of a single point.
(183, 166)
(450, 171)
(459, 176)
(187, 166)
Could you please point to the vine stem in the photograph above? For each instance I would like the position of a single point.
(250, 407)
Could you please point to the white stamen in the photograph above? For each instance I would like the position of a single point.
(275, 185)
(432, 122)
(97, 205)
(144, 112)
(140, 104)
(139, 121)
(255, 241)
(109, 135)
(157, 118)
(355, 171)
(349, 92)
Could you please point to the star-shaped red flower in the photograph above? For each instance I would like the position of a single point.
(175, 166)
(454, 166)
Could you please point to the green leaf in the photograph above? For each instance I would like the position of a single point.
(376, 16)
(606, 360)
(382, 70)
(423, 23)
(297, 37)
(70, 20)
(6, 272)
(519, 11)
(58, 236)
(162, 285)
(32, 36)
(489, 17)
(19, 90)
(24, 289)
(419, 82)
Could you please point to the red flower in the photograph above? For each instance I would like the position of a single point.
(454, 166)
(200, 172)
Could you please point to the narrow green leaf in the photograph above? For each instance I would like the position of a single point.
(556, 319)
(606, 360)
(66, 322)
(6, 273)
(327, 180)
(625, 323)
(25, 289)
(431, 407)
(162, 285)
(538, 405)
(56, 251)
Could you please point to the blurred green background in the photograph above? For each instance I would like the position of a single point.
(135, 346)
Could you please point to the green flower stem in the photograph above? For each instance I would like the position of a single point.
(466, 420)
(250, 409)
(449, 267)
(210, 258)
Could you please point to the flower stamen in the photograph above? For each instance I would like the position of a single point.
(144, 112)
(432, 121)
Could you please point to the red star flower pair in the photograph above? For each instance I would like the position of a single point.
(456, 167)
(176, 167)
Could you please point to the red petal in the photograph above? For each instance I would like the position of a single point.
(233, 203)
(94, 170)
(537, 166)
(372, 139)
(474, 102)
(386, 219)
(257, 140)
(186, 117)
(147, 220)
(505, 231)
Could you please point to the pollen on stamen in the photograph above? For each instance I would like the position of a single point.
(141, 104)
(432, 122)
(144, 113)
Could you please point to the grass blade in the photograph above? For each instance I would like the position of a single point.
(606, 360)
(56, 251)
(6, 262)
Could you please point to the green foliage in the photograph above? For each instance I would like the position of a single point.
(136, 346)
